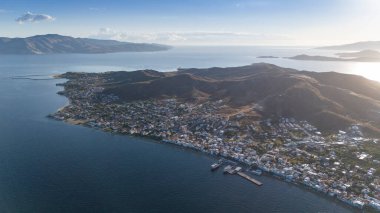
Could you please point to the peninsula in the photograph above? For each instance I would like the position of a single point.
(54, 44)
(315, 129)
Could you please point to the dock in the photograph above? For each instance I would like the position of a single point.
(241, 174)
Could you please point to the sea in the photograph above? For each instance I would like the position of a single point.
(51, 166)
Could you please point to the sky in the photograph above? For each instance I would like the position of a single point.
(197, 22)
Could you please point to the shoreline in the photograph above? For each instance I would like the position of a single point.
(81, 102)
(189, 147)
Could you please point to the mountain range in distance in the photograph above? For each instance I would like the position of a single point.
(358, 46)
(366, 51)
(55, 44)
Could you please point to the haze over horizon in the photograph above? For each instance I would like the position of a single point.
(196, 22)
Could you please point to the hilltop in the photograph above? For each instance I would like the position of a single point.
(53, 44)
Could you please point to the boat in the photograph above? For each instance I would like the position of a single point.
(227, 169)
(238, 169)
(215, 166)
(257, 172)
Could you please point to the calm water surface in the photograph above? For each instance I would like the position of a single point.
(50, 166)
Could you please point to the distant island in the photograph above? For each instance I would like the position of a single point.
(54, 44)
(305, 57)
(309, 128)
(361, 56)
(358, 46)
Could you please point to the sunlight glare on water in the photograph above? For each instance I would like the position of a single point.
(369, 70)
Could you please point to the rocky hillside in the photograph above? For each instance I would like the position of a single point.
(331, 101)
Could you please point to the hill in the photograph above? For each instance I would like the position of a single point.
(331, 101)
(53, 44)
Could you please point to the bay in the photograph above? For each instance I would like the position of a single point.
(50, 166)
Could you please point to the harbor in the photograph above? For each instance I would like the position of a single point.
(229, 169)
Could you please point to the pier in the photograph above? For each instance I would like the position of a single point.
(241, 174)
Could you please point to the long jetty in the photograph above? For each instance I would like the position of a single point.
(241, 174)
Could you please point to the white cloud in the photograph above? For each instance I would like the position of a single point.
(33, 18)
(199, 38)
(107, 33)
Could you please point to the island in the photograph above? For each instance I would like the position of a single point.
(54, 44)
(362, 56)
(319, 130)
(305, 57)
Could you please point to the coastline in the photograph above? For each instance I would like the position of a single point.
(189, 147)
(272, 173)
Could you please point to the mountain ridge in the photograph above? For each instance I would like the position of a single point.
(58, 44)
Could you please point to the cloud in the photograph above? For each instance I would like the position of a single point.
(33, 18)
(107, 33)
(201, 38)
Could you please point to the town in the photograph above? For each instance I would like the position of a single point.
(337, 164)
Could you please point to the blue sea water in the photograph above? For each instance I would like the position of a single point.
(51, 166)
